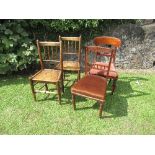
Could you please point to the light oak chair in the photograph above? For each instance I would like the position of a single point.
(71, 47)
(50, 55)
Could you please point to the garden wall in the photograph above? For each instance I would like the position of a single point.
(138, 45)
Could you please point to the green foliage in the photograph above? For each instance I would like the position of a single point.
(16, 48)
(50, 29)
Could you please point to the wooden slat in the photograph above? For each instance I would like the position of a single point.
(44, 91)
(70, 53)
(56, 50)
(65, 45)
(48, 52)
(79, 56)
(68, 46)
(48, 43)
(44, 52)
(75, 46)
(51, 60)
(52, 53)
(70, 38)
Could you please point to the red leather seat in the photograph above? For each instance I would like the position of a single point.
(92, 86)
(102, 68)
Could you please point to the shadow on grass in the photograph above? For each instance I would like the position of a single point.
(66, 97)
(116, 105)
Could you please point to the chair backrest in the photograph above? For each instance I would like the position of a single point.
(105, 40)
(111, 42)
(50, 54)
(71, 46)
(107, 52)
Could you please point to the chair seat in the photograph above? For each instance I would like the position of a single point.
(102, 70)
(91, 86)
(70, 65)
(47, 75)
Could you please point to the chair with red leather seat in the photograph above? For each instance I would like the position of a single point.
(93, 86)
(112, 43)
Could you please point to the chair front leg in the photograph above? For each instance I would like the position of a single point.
(73, 101)
(101, 109)
(46, 87)
(59, 92)
(62, 82)
(32, 88)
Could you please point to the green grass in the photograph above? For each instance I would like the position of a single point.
(131, 110)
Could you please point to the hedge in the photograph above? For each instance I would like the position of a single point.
(17, 37)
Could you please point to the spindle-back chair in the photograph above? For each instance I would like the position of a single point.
(71, 50)
(50, 55)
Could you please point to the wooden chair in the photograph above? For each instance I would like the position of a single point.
(71, 47)
(50, 55)
(110, 42)
(93, 86)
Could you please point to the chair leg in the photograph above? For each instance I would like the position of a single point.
(109, 81)
(73, 101)
(32, 88)
(63, 75)
(46, 87)
(113, 86)
(59, 92)
(62, 82)
(101, 109)
(78, 75)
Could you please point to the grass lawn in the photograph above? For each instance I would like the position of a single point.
(131, 110)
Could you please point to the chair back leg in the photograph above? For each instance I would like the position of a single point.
(78, 75)
(113, 86)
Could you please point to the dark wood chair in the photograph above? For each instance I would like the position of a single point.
(93, 86)
(112, 43)
(50, 55)
(71, 49)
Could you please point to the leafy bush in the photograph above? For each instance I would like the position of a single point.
(17, 50)
(88, 28)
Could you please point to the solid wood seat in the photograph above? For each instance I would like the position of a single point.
(94, 86)
(48, 75)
